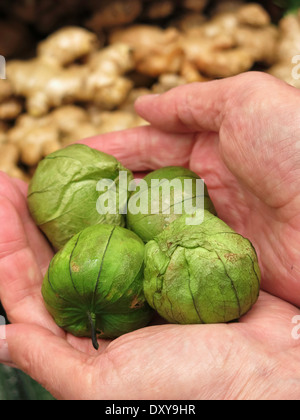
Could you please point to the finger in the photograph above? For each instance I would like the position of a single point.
(188, 108)
(207, 162)
(20, 275)
(16, 192)
(145, 148)
(200, 106)
(22, 186)
(270, 320)
(223, 187)
(13, 189)
(50, 360)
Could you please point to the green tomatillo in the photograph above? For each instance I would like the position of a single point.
(64, 194)
(162, 197)
(94, 285)
(201, 274)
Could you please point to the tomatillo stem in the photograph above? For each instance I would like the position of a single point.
(92, 320)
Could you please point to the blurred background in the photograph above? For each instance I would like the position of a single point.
(74, 69)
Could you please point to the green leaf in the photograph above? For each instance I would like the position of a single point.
(17, 386)
(290, 6)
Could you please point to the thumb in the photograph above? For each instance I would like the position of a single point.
(200, 107)
(50, 360)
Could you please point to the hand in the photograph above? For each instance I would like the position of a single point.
(251, 175)
(241, 135)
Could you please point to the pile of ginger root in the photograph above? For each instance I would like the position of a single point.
(59, 99)
(82, 81)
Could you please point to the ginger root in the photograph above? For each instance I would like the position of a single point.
(114, 13)
(167, 82)
(53, 83)
(35, 138)
(118, 120)
(67, 45)
(155, 50)
(10, 107)
(44, 15)
(6, 90)
(230, 43)
(226, 6)
(43, 84)
(105, 85)
(159, 9)
(75, 88)
(288, 53)
(128, 104)
(47, 84)
(9, 157)
(3, 131)
(195, 5)
(38, 137)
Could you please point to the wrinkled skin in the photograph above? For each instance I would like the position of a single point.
(241, 135)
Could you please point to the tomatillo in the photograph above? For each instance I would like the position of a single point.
(94, 285)
(64, 192)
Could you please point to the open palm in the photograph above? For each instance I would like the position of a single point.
(244, 144)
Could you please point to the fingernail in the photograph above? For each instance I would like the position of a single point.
(147, 97)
